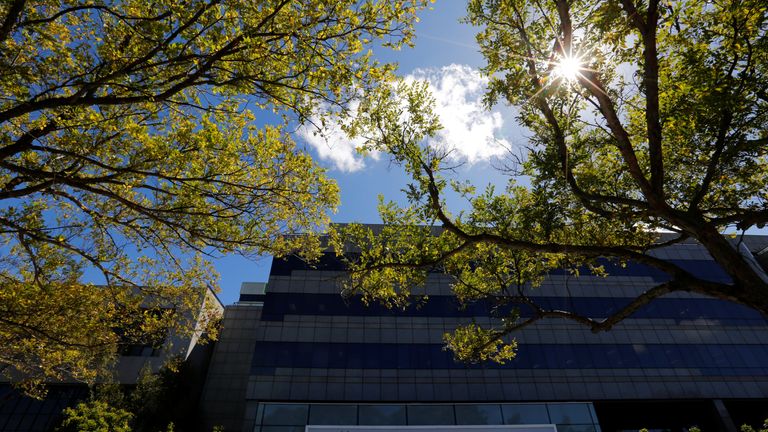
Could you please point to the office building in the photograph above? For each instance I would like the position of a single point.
(295, 356)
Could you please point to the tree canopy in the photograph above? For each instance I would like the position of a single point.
(645, 116)
(133, 145)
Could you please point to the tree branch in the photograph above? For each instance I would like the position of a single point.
(651, 87)
(25, 141)
(14, 11)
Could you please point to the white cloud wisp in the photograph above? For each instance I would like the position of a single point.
(470, 132)
(333, 145)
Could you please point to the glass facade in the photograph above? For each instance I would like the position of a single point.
(382, 415)
(479, 415)
(278, 417)
(23, 414)
(704, 268)
(278, 305)
(327, 359)
(698, 359)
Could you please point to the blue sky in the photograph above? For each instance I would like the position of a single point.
(446, 55)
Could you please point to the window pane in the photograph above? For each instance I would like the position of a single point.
(478, 415)
(282, 428)
(333, 415)
(570, 413)
(430, 415)
(382, 414)
(525, 414)
(285, 414)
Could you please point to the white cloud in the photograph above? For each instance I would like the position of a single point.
(470, 131)
(333, 145)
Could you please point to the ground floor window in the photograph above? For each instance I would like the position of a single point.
(298, 417)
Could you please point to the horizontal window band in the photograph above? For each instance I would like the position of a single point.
(278, 305)
(711, 360)
(704, 268)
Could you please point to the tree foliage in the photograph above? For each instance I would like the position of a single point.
(134, 144)
(166, 400)
(663, 126)
(95, 416)
(748, 428)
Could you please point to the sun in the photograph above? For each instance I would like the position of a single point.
(568, 68)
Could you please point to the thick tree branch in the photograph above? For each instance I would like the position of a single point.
(651, 87)
(95, 7)
(743, 218)
(12, 192)
(25, 140)
(12, 15)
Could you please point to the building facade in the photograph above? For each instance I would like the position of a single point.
(295, 356)
(23, 414)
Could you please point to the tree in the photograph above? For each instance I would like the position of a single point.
(644, 115)
(170, 396)
(166, 400)
(134, 145)
(748, 428)
(95, 416)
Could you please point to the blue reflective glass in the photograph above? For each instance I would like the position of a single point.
(515, 414)
(719, 358)
(371, 357)
(440, 359)
(692, 355)
(552, 357)
(336, 355)
(430, 415)
(420, 356)
(284, 357)
(404, 357)
(382, 415)
(583, 357)
(277, 305)
(388, 356)
(320, 356)
(748, 356)
(569, 413)
(304, 352)
(478, 415)
(530, 356)
(340, 415)
(354, 354)
(285, 414)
